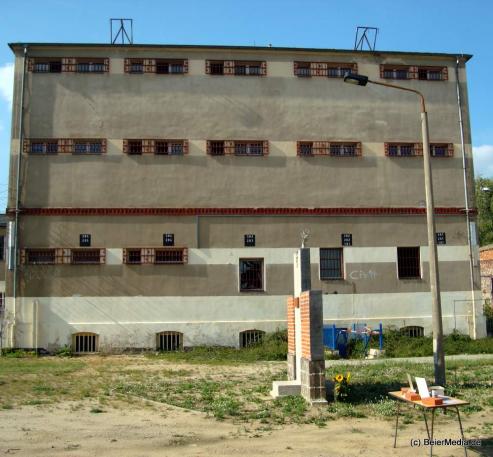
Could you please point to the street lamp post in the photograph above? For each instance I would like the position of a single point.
(438, 353)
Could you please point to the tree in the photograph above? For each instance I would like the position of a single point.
(484, 204)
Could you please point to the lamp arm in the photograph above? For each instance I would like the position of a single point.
(420, 95)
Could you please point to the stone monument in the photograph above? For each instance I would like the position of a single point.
(306, 362)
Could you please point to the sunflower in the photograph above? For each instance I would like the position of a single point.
(339, 378)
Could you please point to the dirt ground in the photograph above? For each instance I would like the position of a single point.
(145, 429)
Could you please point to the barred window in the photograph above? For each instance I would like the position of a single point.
(88, 147)
(85, 342)
(327, 69)
(441, 150)
(403, 149)
(251, 274)
(331, 266)
(347, 239)
(216, 148)
(236, 67)
(135, 146)
(423, 73)
(169, 341)
(136, 66)
(216, 68)
(413, 331)
(408, 263)
(251, 337)
(430, 73)
(84, 240)
(247, 68)
(134, 256)
(343, 149)
(91, 66)
(168, 147)
(165, 67)
(244, 148)
(441, 238)
(47, 66)
(305, 148)
(334, 149)
(40, 256)
(44, 147)
(169, 256)
(86, 256)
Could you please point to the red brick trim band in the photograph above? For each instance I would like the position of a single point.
(380, 211)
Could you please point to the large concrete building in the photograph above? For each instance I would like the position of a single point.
(158, 192)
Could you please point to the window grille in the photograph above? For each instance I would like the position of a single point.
(408, 263)
(216, 68)
(251, 274)
(168, 148)
(236, 67)
(403, 149)
(248, 149)
(215, 148)
(249, 240)
(88, 147)
(247, 69)
(41, 146)
(169, 256)
(91, 66)
(331, 263)
(86, 256)
(251, 338)
(346, 239)
(334, 149)
(168, 239)
(133, 256)
(238, 148)
(432, 73)
(169, 341)
(327, 69)
(65, 145)
(84, 240)
(441, 238)
(441, 150)
(85, 342)
(47, 66)
(40, 256)
(413, 331)
(135, 146)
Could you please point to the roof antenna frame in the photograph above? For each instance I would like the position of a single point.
(365, 35)
(121, 30)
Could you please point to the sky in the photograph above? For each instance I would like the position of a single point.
(453, 26)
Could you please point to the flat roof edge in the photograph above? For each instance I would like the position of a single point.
(20, 45)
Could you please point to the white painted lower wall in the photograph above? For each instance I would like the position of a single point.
(132, 322)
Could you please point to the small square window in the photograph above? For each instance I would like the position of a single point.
(249, 240)
(168, 239)
(441, 238)
(347, 239)
(85, 239)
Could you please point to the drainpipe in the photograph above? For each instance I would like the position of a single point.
(17, 201)
(466, 197)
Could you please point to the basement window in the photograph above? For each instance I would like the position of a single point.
(86, 256)
(331, 265)
(408, 263)
(40, 256)
(85, 342)
(251, 275)
(413, 331)
(169, 341)
(251, 338)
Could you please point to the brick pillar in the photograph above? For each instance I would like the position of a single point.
(293, 303)
(312, 349)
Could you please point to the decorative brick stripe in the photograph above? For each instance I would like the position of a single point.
(381, 211)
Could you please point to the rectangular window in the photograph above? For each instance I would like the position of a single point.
(247, 68)
(441, 238)
(327, 69)
(305, 148)
(334, 149)
(47, 66)
(135, 146)
(168, 239)
(40, 256)
(90, 66)
(408, 263)
(441, 150)
(244, 148)
(88, 147)
(169, 256)
(134, 256)
(135, 66)
(169, 147)
(249, 240)
(84, 240)
(432, 73)
(343, 149)
(331, 266)
(403, 149)
(166, 67)
(86, 256)
(236, 67)
(251, 274)
(216, 68)
(216, 148)
(397, 72)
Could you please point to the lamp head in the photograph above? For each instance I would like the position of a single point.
(358, 80)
